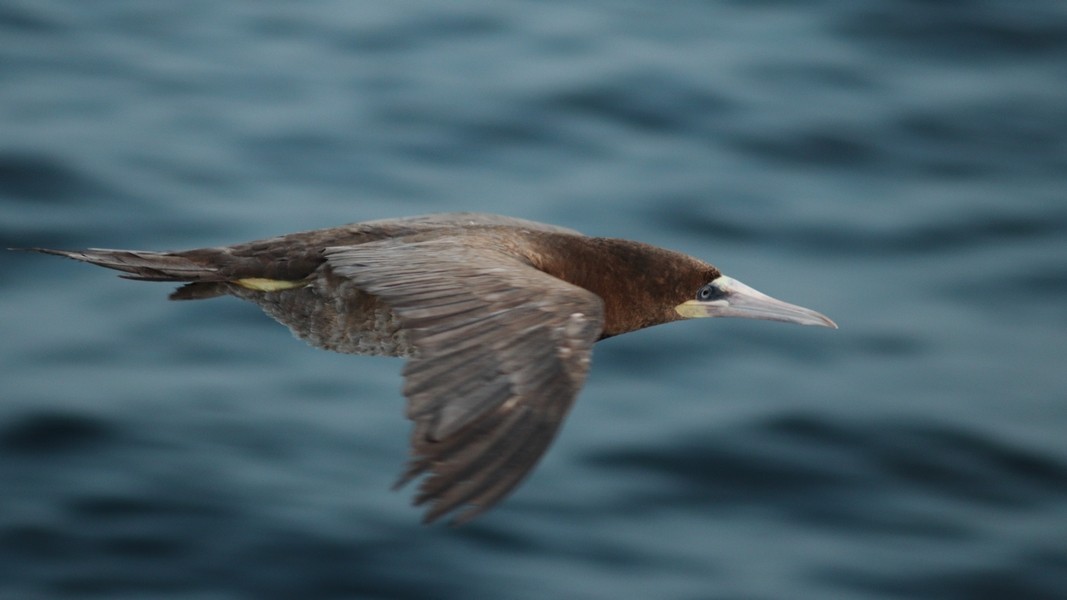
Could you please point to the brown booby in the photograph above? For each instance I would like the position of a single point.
(497, 316)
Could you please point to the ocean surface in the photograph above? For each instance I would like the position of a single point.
(898, 165)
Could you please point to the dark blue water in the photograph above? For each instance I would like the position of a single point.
(898, 165)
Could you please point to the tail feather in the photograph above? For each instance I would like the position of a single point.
(199, 290)
(142, 265)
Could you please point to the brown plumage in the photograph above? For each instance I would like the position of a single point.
(497, 315)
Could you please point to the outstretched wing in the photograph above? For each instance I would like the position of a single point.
(502, 350)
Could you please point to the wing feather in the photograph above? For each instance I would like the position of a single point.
(501, 352)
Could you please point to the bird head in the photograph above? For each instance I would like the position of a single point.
(728, 297)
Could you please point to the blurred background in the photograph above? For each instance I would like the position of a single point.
(900, 165)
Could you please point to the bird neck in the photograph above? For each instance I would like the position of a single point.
(639, 284)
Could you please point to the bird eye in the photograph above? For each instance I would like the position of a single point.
(709, 292)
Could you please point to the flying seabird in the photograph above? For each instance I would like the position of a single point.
(496, 315)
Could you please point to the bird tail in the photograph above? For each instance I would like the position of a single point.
(201, 273)
(141, 265)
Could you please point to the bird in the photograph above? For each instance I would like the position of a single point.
(497, 317)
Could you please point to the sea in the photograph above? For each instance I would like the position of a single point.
(899, 165)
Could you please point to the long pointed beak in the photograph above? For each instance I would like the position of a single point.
(735, 299)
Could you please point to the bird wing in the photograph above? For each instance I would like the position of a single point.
(501, 352)
(459, 219)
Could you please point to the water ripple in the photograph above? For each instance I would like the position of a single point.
(55, 432)
(801, 463)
